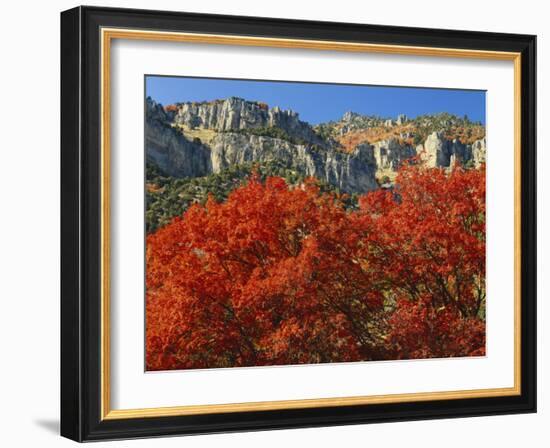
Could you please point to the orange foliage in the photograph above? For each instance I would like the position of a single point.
(466, 135)
(350, 140)
(374, 134)
(171, 108)
(431, 248)
(281, 275)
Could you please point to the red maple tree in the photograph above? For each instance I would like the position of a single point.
(286, 275)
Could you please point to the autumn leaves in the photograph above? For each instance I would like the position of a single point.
(286, 275)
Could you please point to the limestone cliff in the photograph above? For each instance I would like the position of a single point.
(437, 151)
(170, 150)
(233, 114)
(197, 139)
(354, 172)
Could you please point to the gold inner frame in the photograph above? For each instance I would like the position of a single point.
(107, 35)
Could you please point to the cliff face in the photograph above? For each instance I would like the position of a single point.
(234, 114)
(479, 151)
(435, 152)
(179, 155)
(170, 150)
(240, 131)
(440, 152)
(390, 154)
(353, 172)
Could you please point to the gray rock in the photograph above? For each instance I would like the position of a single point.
(353, 172)
(401, 119)
(171, 151)
(179, 157)
(350, 116)
(479, 152)
(437, 151)
(390, 154)
(236, 113)
(305, 151)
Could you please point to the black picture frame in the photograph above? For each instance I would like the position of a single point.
(81, 224)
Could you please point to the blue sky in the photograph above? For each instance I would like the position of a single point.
(317, 103)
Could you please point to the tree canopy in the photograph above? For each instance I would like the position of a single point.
(287, 274)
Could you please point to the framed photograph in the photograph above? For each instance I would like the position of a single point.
(273, 223)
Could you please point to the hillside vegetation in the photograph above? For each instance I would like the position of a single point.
(197, 149)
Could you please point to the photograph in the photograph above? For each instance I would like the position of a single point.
(273, 222)
(292, 223)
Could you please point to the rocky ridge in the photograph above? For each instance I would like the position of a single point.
(234, 113)
(244, 131)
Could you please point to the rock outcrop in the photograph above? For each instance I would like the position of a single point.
(172, 143)
(178, 156)
(437, 151)
(401, 119)
(234, 114)
(479, 150)
(170, 150)
(353, 172)
(390, 154)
